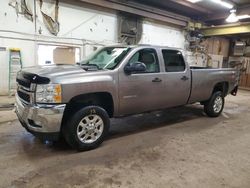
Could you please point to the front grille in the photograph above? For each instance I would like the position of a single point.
(23, 80)
(25, 90)
(24, 96)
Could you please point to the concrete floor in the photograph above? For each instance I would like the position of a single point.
(180, 147)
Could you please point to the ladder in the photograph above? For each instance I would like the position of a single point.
(15, 64)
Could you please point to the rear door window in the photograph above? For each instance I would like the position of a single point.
(173, 61)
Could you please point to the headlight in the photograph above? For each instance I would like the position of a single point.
(49, 93)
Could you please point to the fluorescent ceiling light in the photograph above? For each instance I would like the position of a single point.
(194, 1)
(232, 17)
(239, 43)
(224, 3)
(245, 16)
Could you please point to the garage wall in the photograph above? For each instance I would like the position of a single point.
(76, 23)
(79, 27)
(158, 34)
(3, 72)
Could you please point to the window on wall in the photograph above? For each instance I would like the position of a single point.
(49, 54)
(173, 60)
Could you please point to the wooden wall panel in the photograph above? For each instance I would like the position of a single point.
(248, 81)
(245, 77)
(243, 80)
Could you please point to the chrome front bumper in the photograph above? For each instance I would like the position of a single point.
(40, 118)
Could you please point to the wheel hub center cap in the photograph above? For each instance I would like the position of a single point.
(91, 128)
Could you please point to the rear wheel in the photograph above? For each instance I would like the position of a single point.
(215, 105)
(86, 129)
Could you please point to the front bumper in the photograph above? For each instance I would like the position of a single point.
(42, 120)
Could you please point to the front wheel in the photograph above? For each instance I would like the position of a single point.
(214, 106)
(86, 129)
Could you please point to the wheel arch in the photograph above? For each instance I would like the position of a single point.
(221, 86)
(102, 99)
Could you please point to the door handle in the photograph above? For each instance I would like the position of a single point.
(156, 80)
(184, 78)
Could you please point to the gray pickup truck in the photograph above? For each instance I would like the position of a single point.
(76, 101)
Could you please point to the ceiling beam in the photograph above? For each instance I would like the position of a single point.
(152, 9)
(192, 6)
(143, 11)
(226, 30)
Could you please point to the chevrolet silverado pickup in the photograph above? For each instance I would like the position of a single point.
(76, 101)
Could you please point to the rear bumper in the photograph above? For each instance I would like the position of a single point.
(43, 121)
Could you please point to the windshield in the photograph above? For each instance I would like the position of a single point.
(106, 58)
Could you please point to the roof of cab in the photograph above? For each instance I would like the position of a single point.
(145, 45)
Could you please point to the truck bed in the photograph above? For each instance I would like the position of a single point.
(204, 79)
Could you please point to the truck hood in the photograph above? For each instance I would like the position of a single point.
(46, 74)
(54, 70)
(55, 74)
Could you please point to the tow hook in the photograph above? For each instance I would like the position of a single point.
(234, 92)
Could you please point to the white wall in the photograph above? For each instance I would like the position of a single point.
(75, 23)
(78, 26)
(3, 72)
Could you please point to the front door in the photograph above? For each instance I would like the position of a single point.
(144, 91)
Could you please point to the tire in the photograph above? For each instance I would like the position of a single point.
(214, 106)
(87, 128)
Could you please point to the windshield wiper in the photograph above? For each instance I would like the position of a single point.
(90, 67)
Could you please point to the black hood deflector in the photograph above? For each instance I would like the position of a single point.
(26, 78)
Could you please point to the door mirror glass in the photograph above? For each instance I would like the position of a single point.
(135, 68)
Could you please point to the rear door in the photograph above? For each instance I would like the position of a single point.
(142, 91)
(177, 77)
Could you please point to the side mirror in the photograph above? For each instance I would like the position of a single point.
(135, 67)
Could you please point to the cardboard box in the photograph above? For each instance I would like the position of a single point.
(64, 55)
